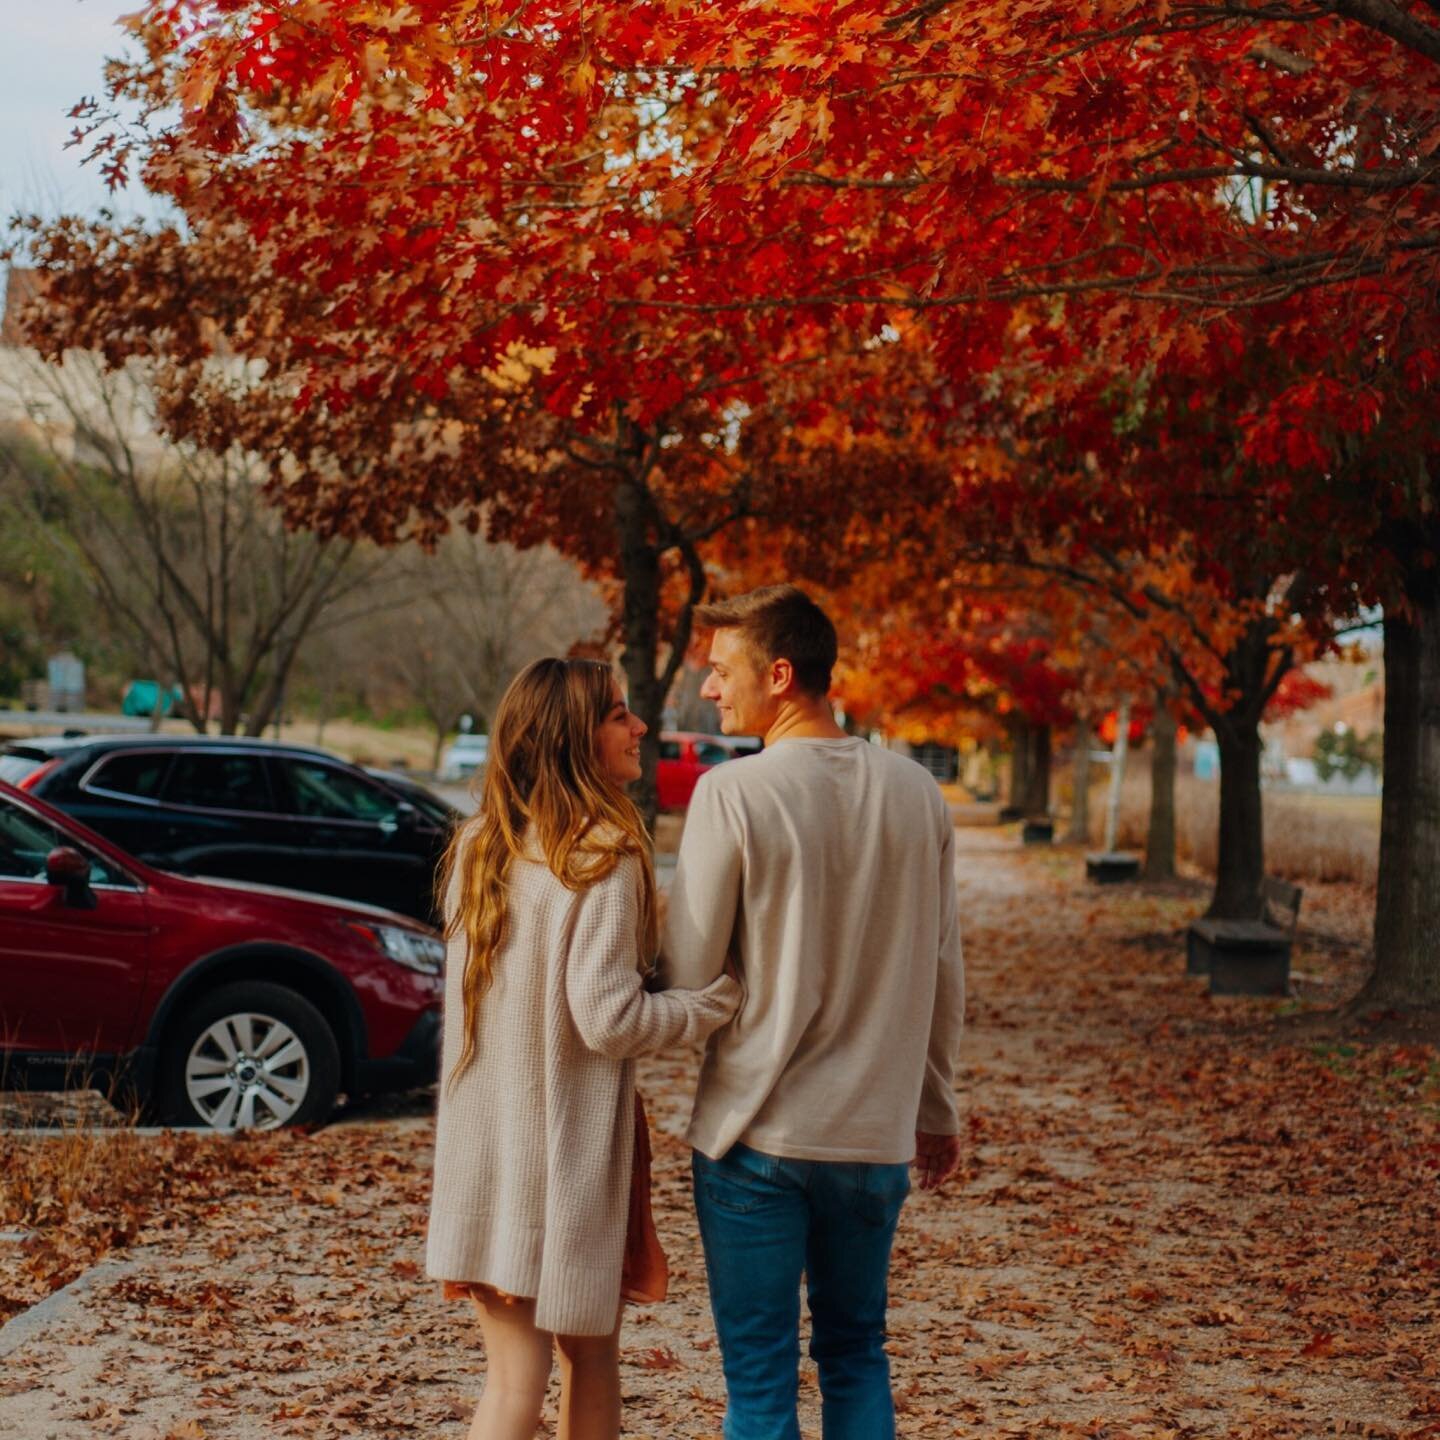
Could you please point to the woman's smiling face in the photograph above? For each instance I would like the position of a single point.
(617, 741)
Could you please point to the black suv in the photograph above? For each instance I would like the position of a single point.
(239, 809)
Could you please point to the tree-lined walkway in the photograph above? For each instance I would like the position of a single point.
(1174, 1221)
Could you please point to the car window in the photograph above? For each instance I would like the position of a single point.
(708, 753)
(430, 806)
(141, 775)
(326, 792)
(14, 768)
(669, 749)
(25, 841)
(218, 781)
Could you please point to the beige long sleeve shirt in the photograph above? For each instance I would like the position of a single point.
(828, 867)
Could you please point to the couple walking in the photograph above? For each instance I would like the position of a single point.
(811, 935)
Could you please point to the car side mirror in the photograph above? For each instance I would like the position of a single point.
(68, 867)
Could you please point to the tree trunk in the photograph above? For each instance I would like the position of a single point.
(1255, 665)
(229, 712)
(1240, 867)
(269, 704)
(1118, 751)
(1407, 900)
(639, 629)
(1019, 765)
(1079, 831)
(1160, 842)
(1035, 798)
(693, 713)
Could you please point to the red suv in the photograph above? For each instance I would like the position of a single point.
(685, 756)
(214, 1002)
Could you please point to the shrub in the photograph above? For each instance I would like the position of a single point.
(1342, 752)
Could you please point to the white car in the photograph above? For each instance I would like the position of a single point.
(461, 759)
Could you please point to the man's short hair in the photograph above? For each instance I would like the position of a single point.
(780, 622)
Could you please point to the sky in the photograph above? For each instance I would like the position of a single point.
(52, 54)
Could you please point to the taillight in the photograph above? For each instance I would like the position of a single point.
(30, 781)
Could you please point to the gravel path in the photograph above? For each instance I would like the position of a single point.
(1173, 1222)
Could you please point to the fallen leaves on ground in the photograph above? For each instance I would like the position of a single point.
(1179, 1217)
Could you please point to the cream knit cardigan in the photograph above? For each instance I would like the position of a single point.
(534, 1143)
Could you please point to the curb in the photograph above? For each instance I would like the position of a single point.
(53, 1309)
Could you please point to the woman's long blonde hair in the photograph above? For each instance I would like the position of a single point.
(544, 790)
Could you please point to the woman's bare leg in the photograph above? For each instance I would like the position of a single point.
(517, 1370)
(590, 1386)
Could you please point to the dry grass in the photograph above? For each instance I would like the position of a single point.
(1307, 837)
(77, 1182)
(66, 1189)
(399, 746)
(78, 1194)
(48, 1174)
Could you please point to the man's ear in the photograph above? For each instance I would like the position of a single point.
(782, 678)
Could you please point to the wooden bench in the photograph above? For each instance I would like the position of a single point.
(1248, 957)
(1112, 867)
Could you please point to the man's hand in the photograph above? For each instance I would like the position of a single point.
(937, 1158)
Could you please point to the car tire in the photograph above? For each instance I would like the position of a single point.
(249, 1055)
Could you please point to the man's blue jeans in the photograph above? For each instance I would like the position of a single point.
(763, 1221)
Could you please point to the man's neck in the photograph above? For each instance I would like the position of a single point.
(804, 720)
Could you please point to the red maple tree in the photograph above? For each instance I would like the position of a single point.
(670, 196)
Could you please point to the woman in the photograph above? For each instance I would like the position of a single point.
(550, 920)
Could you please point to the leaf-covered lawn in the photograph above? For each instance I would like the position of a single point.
(1179, 1217)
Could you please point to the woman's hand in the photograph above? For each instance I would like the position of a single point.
(726, 993)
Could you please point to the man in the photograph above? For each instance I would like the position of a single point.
(824, 868)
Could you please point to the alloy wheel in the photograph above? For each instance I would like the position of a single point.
(247, 1071)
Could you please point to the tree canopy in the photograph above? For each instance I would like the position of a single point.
(1137, 294)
